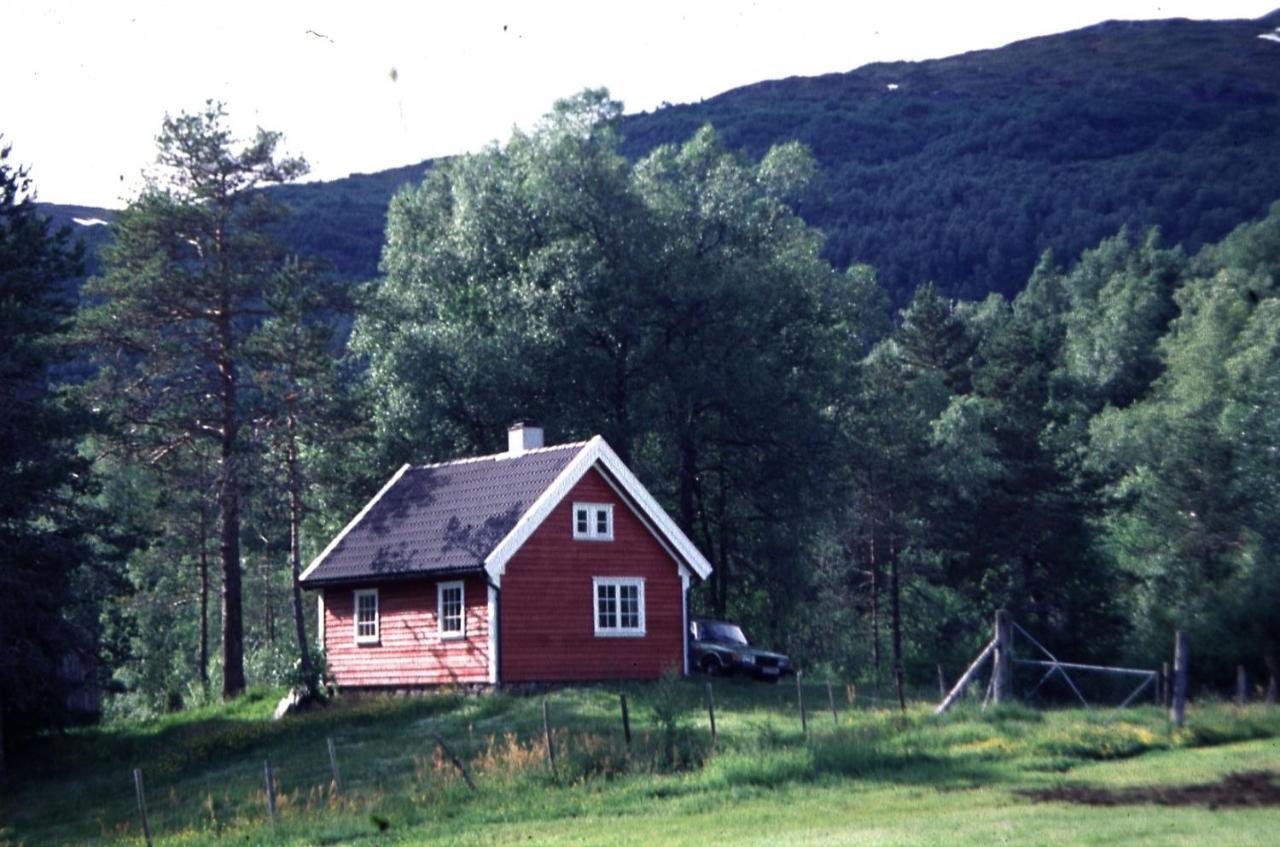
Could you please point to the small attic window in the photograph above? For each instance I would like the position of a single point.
(593, 521)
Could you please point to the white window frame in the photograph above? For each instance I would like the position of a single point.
(441, 588)
(593, 510)
(369, 638)
(617, 631)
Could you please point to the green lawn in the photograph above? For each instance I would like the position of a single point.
(874, 778)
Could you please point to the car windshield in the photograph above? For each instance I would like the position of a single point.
(726, 632)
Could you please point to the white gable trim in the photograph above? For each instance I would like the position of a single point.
(593, 452)
(318, 560)
(644, 521)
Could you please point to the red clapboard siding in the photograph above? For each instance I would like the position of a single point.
(410, 652)
(546, 610)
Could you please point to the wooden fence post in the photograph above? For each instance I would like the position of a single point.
(711, 714)
(831, 698)
(551, 748)
(142, 804)
(333, 766)
(269, 782)
(804, 722)
(1002, 688)
(457, 763)
(1166, 686)
(626, 720)
(965, 678)
(942, 684)
(1242, 686)
(1181, 660)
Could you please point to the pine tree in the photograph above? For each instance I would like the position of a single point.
(169, 317)
(42, 532)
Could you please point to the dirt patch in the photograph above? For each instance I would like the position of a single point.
(1233, 791)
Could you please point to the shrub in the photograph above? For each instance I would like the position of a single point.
(669, 707)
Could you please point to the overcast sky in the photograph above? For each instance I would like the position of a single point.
(362, 86)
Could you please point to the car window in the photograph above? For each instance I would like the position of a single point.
(726, 632)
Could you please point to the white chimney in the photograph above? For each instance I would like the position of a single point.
(522, 436)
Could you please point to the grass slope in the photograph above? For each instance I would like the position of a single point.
(874, 778)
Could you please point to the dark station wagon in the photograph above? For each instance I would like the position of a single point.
(720, 648)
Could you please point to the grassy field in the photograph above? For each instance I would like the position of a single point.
(874, 777)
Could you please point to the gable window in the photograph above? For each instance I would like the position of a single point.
(449, 610)
(593, 521)
(619, 606)
(366, 605)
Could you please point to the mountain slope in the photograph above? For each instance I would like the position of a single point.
(963, 170)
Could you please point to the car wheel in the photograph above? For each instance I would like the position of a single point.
(711, 666)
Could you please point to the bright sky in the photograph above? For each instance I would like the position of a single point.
(358, 86)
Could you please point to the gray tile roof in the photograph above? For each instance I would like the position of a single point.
(442, 518)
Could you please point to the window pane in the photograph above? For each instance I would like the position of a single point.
(629, 601)
(602, 522)
(582, 521)
(606, 607)
(451, 609)
(366, 615)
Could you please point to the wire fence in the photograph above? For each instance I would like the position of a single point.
(181, 790)
(437, 754)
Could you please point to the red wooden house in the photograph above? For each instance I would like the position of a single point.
(539, 564)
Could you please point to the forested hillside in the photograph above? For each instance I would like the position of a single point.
(962, 171)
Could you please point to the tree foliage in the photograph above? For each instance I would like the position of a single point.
(677, 306)
(171, 317)
(43, 530)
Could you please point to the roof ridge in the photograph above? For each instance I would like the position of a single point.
(498, 456)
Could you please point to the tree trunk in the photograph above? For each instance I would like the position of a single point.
(229, 505)
(268, 607)
(875, 609)
(895, 612)
(204, 598)
(686, 497)
(295, 554)
(1273, 671)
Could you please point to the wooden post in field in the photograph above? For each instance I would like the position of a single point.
(711, 714)
(1181, 660)
(1002, 686)
(626, 720)
(942, 684)
(269, 782)
(804, 722)
(831, 698)
(142, 804)
(965, 678)
(551, 747)
(1242, 686)
(457, 763)
(333, 766)
(1166, 686)
(851, 693)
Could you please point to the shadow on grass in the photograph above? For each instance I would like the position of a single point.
(177, 744)
(1235, 790)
